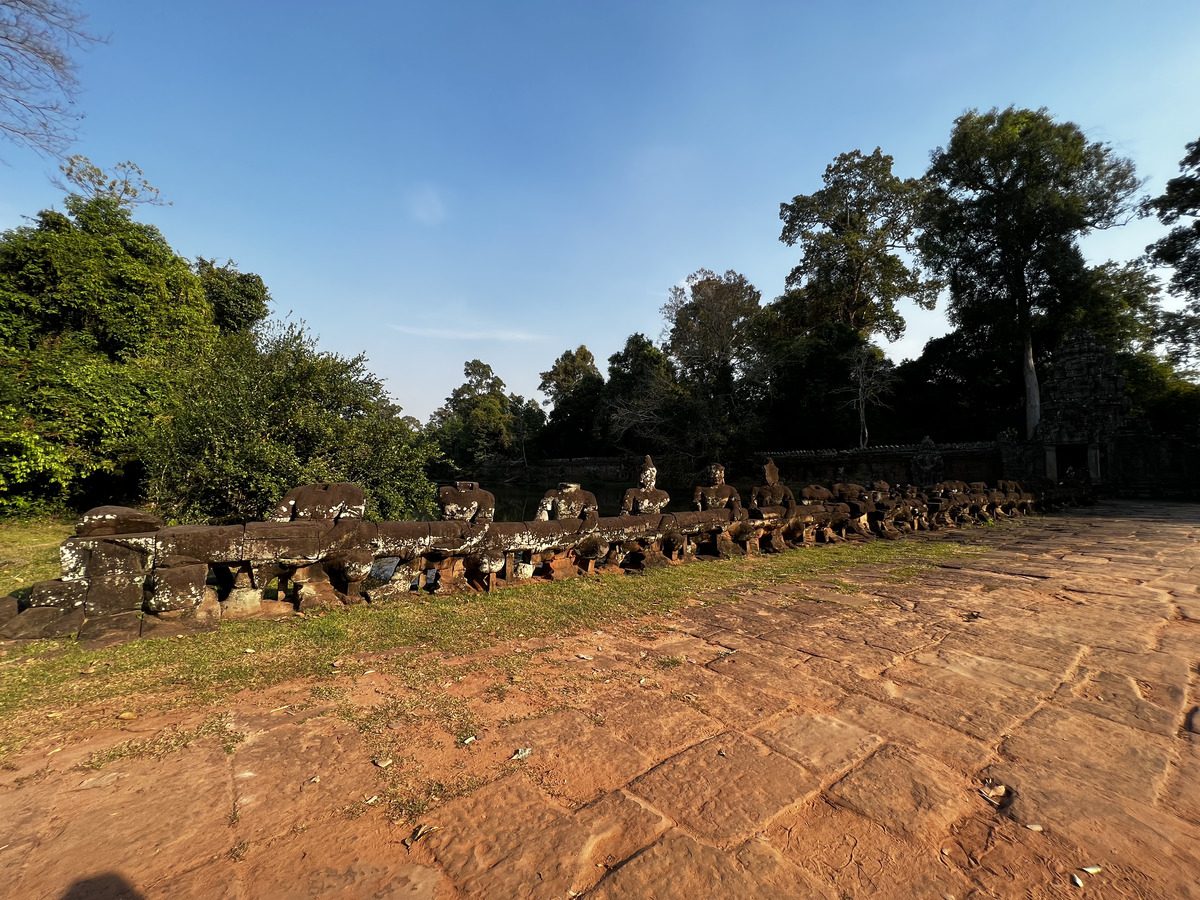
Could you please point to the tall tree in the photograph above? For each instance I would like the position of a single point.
(1012, 192)
(480, 421)
(873, 377)
(852, 233)
(38, 80)
(574, 386)
(1179, 205)
(640, 405)
(566, 373)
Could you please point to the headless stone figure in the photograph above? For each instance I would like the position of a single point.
(717, 494)
(466, 502)
(569, 504)
(773, 493)
(645, 500)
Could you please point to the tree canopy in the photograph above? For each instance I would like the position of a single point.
(852, 233)
(1010, 195)
(1179, 206)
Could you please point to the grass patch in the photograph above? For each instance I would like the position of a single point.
(44, 688)
(170, 740)
(29, 553)
(668, 662)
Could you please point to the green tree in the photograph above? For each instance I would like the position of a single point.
(97, 316)
(1012, 192)
(852, 233)
(267, 411)
(574, 386)
(479, 421)
(566, 374)
(239, 300)
(709, 330)
(1179, 205)
(125, 183)
(641, 402)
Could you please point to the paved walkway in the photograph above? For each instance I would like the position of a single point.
(825, 740)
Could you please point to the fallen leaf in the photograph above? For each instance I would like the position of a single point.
(469, 740)
(383, 763)
(1093, 870)
(1034, 827)
(584, 656)
(1076, 880)
(316, 779)
(248, 650)
(337, 663)
(522, 753)
(419, 832)
(127, 715)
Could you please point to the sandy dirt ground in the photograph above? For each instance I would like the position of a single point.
(1021, 723)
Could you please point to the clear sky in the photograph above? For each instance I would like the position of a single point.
(436, 182)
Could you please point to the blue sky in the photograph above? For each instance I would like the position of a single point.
(431, 183)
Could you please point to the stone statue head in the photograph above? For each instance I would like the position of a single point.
(568, 486)
(716, 474)
(649, 474)
(770, 473)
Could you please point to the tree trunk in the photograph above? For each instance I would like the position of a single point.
(1033, 394)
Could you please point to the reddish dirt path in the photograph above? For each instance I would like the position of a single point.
(809, 741)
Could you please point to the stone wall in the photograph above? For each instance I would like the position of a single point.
(125, 572)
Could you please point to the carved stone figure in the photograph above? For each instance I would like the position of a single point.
(465, 501)
(647, 499)
(569, 502)
(927, 465)
(772, 493)
(327, 501)
(717, 494)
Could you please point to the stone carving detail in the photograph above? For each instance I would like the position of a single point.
(465, 501)
(332, 502)
(647, 499)
(927, 465)
(771, 493)
(717, 494)
(569, 501)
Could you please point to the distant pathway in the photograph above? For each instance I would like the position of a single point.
(812, 740)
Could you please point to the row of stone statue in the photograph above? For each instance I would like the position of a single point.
(466, 501)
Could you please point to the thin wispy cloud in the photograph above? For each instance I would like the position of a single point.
(458, 334)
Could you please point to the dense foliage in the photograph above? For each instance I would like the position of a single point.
(129, 375)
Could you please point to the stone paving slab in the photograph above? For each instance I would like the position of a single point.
(771, 746)
(726, 787)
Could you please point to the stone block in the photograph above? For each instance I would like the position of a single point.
(59, 593)
(110, 594)
(299, 540)
(404, 540)
(125, 554)
(9, 607)
(177, 588)
(350, 535)
(242, 603)
(108, 520)
(30, 623)
(105, 631)
(210, 544)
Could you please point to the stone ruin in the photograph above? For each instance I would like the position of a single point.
(125, 573)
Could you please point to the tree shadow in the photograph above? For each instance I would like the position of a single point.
(109, 886)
